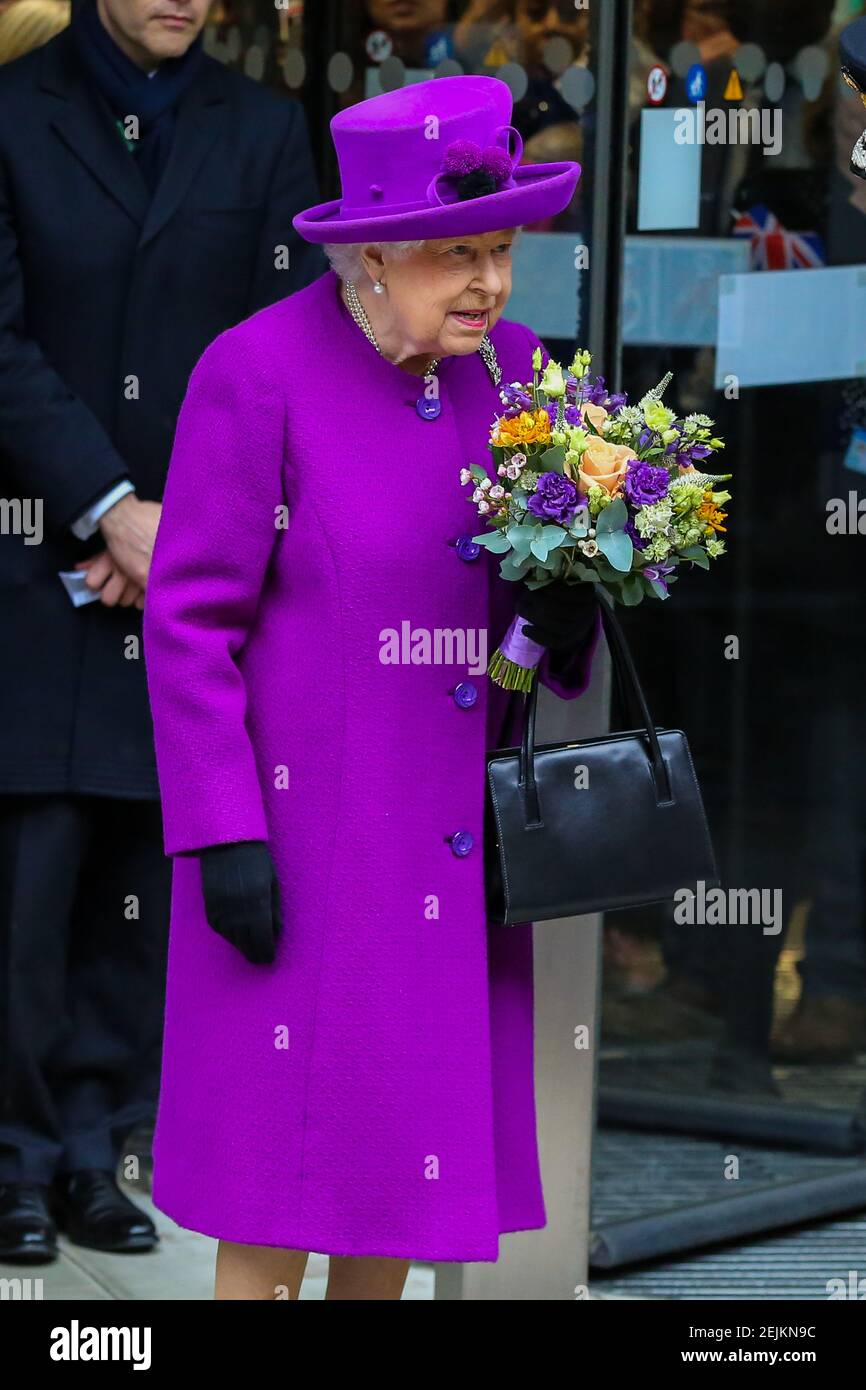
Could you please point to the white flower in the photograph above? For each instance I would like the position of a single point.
(497, 491)
(483, 508)
(588, 548)
(518, 459)
(503, 471)
(485, 484)
(477, 495)
(512, 471)
(465, 476)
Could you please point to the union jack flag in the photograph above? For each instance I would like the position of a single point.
(773, 246)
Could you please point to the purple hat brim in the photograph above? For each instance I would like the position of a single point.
(541, 190)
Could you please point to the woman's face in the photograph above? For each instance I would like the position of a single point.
(444, 297)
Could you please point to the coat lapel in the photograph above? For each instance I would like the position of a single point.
(87, 127)
(201, 117)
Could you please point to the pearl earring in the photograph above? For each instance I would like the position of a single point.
(378, 287)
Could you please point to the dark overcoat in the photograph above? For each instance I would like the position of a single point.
(107, 299)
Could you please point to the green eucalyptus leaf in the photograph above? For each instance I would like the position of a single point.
(554, 535)
(585, 572)
(605, 570)
(514, 566)
(553, 458)
(611, 518)
(539, 544)
(632, 591)
(479, 473)
(497, 541)
(547, 562)
(616, 546)
(697, 555)
(556, 562)
(520, 536)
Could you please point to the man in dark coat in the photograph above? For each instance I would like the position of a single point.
(146, 204)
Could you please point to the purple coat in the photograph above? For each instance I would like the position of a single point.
(371, 1092)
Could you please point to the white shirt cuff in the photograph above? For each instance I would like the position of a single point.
(86, 524)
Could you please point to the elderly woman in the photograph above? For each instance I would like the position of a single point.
(348, 1059)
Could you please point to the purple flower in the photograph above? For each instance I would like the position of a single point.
(659, 573)
(573, 415)
(645, 484)
(596, 393)
(516, 401)
(554, 499)
(637, 539)
(694, 453)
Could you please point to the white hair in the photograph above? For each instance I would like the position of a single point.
(346, 259)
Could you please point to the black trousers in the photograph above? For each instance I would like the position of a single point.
(84, 908)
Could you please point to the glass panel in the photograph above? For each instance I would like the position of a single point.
(734, 1049)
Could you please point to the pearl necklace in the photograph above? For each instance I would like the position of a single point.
(356, 309)
(359, 314)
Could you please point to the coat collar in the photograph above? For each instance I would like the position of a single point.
(86, 126)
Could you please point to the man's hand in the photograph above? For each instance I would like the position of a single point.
(114, 587)
(129, 528)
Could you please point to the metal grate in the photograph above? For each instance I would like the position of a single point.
(635, 1174)
(796, 1265)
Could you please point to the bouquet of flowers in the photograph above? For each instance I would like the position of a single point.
(590, 488)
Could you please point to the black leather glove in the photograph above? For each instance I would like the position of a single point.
(241, 897)
(560, 616)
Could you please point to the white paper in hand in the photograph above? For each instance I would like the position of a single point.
(76, 588)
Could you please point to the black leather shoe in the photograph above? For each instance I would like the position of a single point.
(92, 1211)
(28, 1235)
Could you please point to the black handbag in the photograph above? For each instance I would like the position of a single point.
(603, 823)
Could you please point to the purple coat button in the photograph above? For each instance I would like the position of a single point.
(467, 548)
(428, 407)
(465, 694)
(461, 843)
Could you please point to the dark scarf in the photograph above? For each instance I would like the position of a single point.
(130, 92)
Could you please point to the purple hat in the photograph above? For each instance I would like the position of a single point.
(434, 159)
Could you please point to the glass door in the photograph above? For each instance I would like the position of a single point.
(733, 1064)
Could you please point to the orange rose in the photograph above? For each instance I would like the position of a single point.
(605, 464)
(596, 415)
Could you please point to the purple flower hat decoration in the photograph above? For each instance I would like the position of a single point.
(473, 171)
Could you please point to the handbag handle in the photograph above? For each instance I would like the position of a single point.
(624, 664)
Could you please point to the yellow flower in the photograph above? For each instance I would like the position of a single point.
(529, 427)
(710, 514)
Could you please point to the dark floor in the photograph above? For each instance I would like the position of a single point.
(637, 1173)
